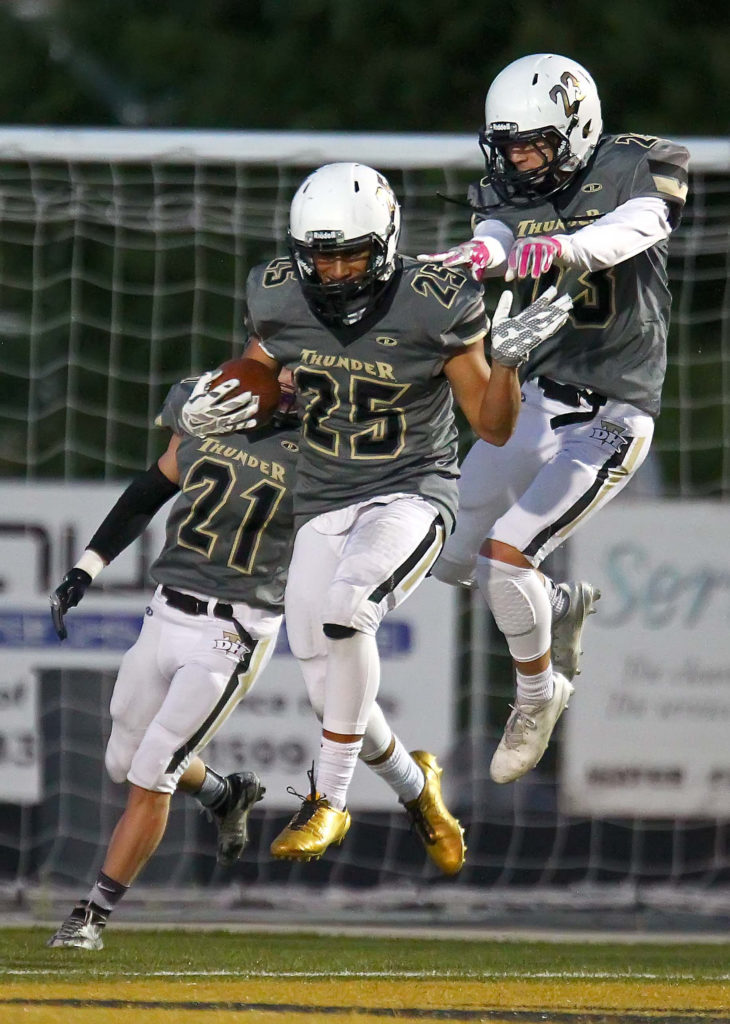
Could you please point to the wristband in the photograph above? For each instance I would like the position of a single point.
(90, 562)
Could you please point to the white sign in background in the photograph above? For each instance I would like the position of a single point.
(646, 732)
(43, 529)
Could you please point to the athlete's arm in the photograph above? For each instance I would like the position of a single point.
(126, 521)
(484, 255)
(255, 350)
(631, 228)
(489, 398)
(491, 402)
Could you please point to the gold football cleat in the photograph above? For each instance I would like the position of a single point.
(438, 830)
(314, 827)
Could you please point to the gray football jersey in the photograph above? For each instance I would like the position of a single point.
(376, 407)
(615, 339)
(230, 531)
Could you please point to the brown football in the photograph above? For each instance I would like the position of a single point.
(255, 377)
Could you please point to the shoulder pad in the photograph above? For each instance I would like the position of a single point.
(483, 199)
(668, 163)
(274, 273)
(435, 281)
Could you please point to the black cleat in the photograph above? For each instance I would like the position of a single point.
(244, 790)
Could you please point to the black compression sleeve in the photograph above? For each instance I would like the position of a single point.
(146, 494)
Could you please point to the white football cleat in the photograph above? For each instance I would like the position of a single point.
(528, 733)
(82, 929)
(566, 632)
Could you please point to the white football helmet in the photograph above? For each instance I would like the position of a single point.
(344, 206)
(540, 97)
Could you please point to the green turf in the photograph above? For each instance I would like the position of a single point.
(147, 952)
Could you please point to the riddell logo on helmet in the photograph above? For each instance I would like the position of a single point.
(324, 236)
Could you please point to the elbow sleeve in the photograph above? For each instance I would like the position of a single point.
(136, 506)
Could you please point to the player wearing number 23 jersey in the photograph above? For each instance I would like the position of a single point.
(562, 203)
(615, 340)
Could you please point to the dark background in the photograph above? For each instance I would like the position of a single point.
(661, 66)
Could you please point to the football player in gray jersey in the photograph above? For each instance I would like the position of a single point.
(207, 634)
(561, 204)
(379, 346)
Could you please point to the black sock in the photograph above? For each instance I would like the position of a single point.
(105, 894)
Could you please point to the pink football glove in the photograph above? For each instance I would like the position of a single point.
(474, 255)
(532, 256)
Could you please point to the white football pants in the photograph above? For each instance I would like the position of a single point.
(349, 568)
(177, 685)
(562, 464)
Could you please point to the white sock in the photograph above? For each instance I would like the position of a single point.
(401, 773)
(335, 769)
(535, 689)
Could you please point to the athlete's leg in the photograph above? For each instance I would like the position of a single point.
(138, 693)
(492, 479)
(200, 679)
(586, 471)
(364, 566)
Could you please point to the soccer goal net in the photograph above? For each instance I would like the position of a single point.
(123, 261)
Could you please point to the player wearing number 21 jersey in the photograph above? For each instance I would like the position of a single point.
(561, 204)
(378, 346)
(207, 635)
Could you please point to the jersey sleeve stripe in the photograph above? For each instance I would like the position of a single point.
(475, 338)
(670, 187)
(471, 331)
(671, 169)
(264, 349)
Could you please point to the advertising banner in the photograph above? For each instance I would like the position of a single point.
(43, 530)
(646, 732)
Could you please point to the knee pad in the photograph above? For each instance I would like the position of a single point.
(336, 632)
(520, 606)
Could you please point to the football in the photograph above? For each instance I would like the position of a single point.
(252, 376)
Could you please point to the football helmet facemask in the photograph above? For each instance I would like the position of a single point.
(540, 98)
(344, 208)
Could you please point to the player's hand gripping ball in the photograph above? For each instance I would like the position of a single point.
(240, 395)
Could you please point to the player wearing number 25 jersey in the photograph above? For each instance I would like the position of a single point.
(377, 345)
(377, 409)
(208, 633)
(563, 204)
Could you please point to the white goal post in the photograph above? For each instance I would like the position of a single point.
(294, 148)
(123, 260)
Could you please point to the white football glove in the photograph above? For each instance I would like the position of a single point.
(532, 256)
(474, 255)
(208, 411)
(513, 338)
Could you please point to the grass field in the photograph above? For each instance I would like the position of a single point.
(166, 976)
